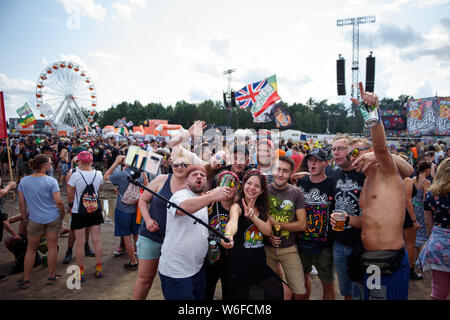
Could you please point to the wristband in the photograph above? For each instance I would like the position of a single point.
(70, 204)
(347, 221)
(227, 234)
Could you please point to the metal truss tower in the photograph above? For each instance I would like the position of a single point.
(355, 22)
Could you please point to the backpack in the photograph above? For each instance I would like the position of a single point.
(131, 194)
(89, 202)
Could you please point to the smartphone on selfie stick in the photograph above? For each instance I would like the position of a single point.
(141, 160)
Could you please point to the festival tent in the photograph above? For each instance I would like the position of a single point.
(294, 135)
(108, 129)
(27, 130)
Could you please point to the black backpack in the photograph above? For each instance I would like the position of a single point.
(89, 201)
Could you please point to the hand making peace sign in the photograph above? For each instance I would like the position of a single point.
(248, 209)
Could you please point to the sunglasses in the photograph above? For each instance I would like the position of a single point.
(182, 164)
(355, 152)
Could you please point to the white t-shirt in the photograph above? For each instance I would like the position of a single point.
(186, 244)
(76, 180)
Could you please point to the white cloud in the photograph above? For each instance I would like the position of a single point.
(88, 8)
(424, 90)
(125, 11)
(104, 57)
(16, 93)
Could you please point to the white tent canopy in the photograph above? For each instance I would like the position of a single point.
(294, 135)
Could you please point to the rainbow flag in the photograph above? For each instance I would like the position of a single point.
(26, 111)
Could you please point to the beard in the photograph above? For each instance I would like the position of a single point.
(197, 188)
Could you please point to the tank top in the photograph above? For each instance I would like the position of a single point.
(248, 235)
(158, 212)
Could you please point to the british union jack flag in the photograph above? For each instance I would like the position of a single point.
(246, 97)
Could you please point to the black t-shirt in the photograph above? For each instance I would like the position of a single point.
(98, 152)
(319, 205)
(28, 152)
(348, 186)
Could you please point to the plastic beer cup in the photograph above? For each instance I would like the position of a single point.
(339, 217)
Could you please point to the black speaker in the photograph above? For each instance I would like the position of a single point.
(225, 102)
(233, 100)
(370, 73)
(340, 67)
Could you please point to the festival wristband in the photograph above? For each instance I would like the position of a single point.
(227, 234)
(347, 221)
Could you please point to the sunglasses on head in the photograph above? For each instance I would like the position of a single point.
(355, 152)
(182, 164)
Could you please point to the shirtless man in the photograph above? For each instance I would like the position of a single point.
(382, 202)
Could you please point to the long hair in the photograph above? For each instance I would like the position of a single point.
(262, 202)
(441, 182)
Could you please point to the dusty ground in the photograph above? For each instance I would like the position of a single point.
(117, 283)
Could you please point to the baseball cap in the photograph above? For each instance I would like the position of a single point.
(318, 153)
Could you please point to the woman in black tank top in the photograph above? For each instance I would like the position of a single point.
(249, 274)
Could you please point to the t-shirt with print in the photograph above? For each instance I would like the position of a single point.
(282, 207)
(348, 186)
(439, 208)
(319, 205)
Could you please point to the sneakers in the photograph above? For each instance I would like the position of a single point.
(119, 251)
(88, 252)
(99, 271)
(131, 266)
(81, 275)
(68, 257)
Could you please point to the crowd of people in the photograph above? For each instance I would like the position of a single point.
(274, 206)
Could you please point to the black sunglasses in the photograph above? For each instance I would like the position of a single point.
(176, 165)
(355, 152)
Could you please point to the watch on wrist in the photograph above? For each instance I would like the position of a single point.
(347, 220)
(70, 204)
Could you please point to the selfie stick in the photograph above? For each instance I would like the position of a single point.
(133, 178)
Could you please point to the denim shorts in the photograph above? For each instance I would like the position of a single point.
(340, 254)
(147, 249)
(125, 224)
(64, 168)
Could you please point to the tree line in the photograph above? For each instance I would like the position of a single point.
(313, 116)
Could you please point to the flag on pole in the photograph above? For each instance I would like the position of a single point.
(24, 110)
(3, 126)
(260, 97)
(28, 120)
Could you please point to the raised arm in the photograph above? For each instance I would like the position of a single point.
(384, 159)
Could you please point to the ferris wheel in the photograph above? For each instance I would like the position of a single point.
(66, 96)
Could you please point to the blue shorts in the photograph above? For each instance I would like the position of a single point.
(125, 224)
(392, 287)
(191, 288)
(147, 249)
(64, 168)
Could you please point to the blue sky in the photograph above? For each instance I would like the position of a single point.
(166, 51)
